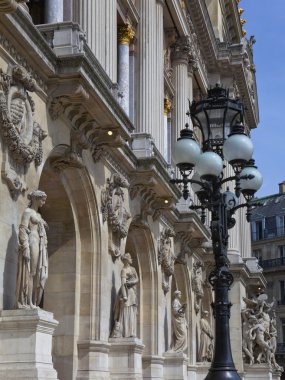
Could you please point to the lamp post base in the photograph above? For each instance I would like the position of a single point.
(222, 374)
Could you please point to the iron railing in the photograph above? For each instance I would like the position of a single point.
(272, 263)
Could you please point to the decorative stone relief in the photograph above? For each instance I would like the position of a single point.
(197, 284)
(22, 135)
(206, 344)
(32, 257)
(166, 257)
(126, 304)
(179, 324)
(259, 332)
(72, 155)
(143, 184)
(114, 211)
(7, 6)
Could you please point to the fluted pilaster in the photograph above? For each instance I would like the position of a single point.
(166, 131)
(147, 67)
(159, 133)
(98, 19)
(234, 233)
(53, 11)
(180, 58)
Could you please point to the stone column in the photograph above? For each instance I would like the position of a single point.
(53, 11)
(159, 132)
(98, 19)
(180, 57)
(167, 132)
(125, 34)
(147, 67)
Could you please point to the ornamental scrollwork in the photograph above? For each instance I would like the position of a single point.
(114, 211)
(21, 133)
(197, 283)
(166, 257)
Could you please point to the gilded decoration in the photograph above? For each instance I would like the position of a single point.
(125, 34)
(21, 133)
(114, 211)
(167, 106)
(166, 257)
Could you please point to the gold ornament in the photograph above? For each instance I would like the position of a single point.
(125, 34)
(167, 106)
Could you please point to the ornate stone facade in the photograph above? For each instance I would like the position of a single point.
(90, 119)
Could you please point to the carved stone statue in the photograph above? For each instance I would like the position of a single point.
(166, 257)
(205, 353)
(125, 310)
(197, 284)
(33, 256)
(259, 332)
(114, 210)
(179, 324)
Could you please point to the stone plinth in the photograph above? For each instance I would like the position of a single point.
(175, 366)
(202, 370)
(126, 358)
(152, 367)
(93, 360)
(26, 345)
(257, 371)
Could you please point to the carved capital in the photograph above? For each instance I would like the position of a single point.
(181, 50)
(125, 34)
(167, 106)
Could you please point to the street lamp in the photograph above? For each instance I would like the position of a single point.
(220, 121)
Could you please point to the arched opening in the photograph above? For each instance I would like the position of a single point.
(73, 242)
(140, 244)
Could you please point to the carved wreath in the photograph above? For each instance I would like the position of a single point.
(166, 256)
(22, 134)
(113, 208)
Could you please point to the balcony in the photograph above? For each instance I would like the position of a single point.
(272, 263)
(266, 233)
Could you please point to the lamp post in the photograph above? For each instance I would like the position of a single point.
(220, 122)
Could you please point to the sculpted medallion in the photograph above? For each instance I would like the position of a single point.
(114, 211)
(22, 135)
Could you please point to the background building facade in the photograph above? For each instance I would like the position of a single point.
(93, 95)
(268, 246)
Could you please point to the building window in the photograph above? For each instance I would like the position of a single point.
(36, 8)
(281, 251)
(281, 225)
(270, 227)
(283, 329)
(257, 230)
(282, 292)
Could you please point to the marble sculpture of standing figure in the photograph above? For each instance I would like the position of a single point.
(179, 324)
(126, 302)
(32, 255)
(205, 353)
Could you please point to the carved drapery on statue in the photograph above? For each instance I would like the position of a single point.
(197, 284)
(125, 309)
(166, 257)
(206, 343)
(114, 211)
(179, 324)
(32, 254)
(22, 135)
(259, 332)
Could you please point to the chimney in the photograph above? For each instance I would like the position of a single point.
(282, 187)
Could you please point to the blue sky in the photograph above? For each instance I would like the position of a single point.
(266, 21)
